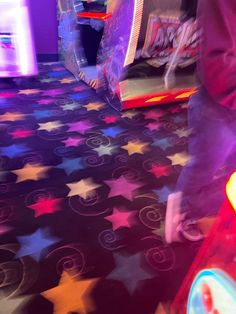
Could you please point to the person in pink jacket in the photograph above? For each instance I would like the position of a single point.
(212, 119)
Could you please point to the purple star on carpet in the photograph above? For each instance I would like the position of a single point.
(81, 126)
(53, 92)
(130, 271)
(153, 126)
(123, 187)
(45, 101)
(73, 141)
(154, 114)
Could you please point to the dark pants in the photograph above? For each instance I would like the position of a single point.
(212, 145)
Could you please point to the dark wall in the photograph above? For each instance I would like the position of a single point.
(45, 27)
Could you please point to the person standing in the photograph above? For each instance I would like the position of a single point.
(199, 191)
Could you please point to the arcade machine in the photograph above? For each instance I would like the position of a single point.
(17, 54)
(147, 48)
(210, 286)
(149, 51)
(81, 25)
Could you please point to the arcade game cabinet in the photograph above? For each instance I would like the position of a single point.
(81, 25)
(142, 52)
(17, 53)
(210, 286)
(149, 51)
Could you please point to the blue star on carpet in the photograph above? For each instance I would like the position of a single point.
(129, 271)
(112, 131)
(58, 74)
(14, 150)
(71, 165)
(163, 194)
(163, 143)
(42, 114)
(33, 244)
(179, 119)
(80, 95)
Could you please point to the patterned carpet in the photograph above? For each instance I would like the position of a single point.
(83, 195)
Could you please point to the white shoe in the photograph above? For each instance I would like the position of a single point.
(174, 217)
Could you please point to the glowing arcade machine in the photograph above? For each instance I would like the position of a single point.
(149, 51)
(81, 25)
(210, 287)
(17, 54)
(145, 52)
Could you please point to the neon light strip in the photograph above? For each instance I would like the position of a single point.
(231, 190)
(24, 40)
(95, 15)
(135, 31)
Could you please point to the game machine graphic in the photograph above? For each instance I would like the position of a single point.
(17, 53)
(81, 25)
(210, 286)
(149, 51)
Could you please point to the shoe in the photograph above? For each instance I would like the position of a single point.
(174, 217)
(177, 227)
(189, 230)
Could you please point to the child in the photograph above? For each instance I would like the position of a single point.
(212, 119)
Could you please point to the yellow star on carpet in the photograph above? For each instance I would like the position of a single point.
(135, 147)
(179, 159)
(50, 126)
(130, 114)
(182, 132)
(31, 172)
(84, 188)
(12, 116)
(71, 295)
(94, 106)
(67, 80)
(29, 91)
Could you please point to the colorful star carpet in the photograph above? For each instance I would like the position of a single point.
(83, 192)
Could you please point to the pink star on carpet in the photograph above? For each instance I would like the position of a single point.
(7, 95)
(81, 126)
(175, 109)
(73, 141)
(79, 88)
(111, 119)
(45, 101)
(154, 114)
(53, 92)
(123, 187)
(46, 206)
(161, 170)
(120, 219)
(153, 126)
(22, 133)
(58, 69)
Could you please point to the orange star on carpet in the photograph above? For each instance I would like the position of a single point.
(71, 295)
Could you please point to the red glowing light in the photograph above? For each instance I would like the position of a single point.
(95, 15)
(207, 298)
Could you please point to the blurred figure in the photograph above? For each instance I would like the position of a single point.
(199, 193)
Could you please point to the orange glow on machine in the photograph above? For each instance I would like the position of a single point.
(214, 266)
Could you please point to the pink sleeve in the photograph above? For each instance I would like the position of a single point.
(217, 63)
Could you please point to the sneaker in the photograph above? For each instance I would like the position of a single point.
(190, 231)
(177, 227)
(174, 217)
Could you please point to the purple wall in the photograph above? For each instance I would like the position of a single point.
(45, 26)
